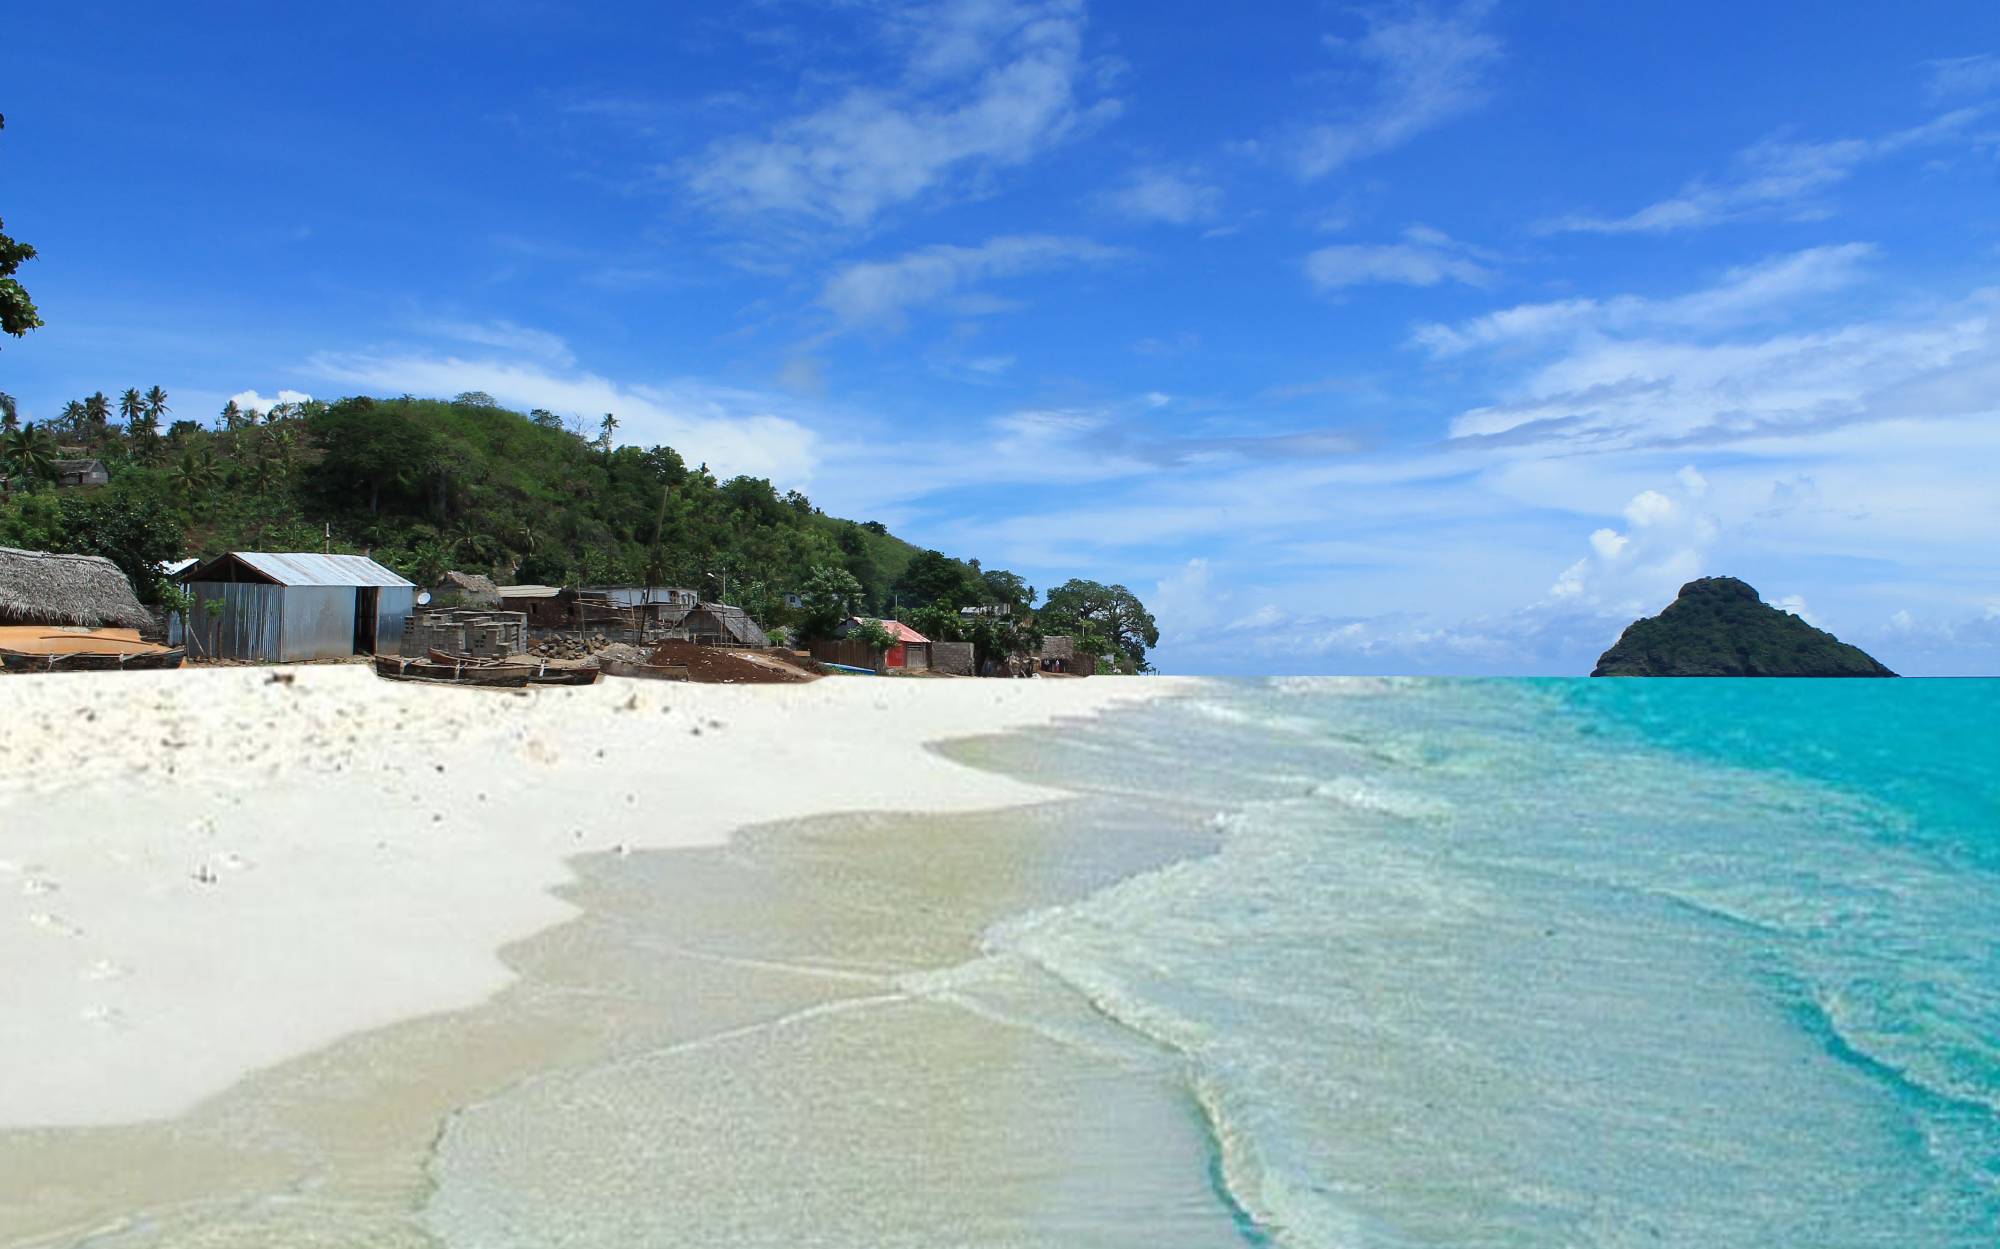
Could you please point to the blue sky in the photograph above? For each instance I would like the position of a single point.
(1355, 339)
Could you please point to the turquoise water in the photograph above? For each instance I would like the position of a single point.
(1531, 963)
(1311, 964)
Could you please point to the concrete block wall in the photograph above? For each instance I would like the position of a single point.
(953, 657)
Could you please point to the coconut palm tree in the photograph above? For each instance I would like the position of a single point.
(607, 427)
(196, 476)
(29, 452)
(72, 419)
(96, 415)
(131, 406)
(10, 413)
(156, 405)
(232, 416)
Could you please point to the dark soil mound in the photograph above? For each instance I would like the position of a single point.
(722, 665)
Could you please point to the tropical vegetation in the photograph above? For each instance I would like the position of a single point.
(426, 485)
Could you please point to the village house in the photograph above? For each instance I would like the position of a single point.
(910, 652)
(287, 608)
(719, 624)
(82, 472)
(464, 589)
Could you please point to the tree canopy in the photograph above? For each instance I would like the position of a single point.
(17, 311)
(427, 485)
(1107, 621)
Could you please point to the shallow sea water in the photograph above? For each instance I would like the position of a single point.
(1318, 963)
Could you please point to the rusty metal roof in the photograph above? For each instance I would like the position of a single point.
(309, 568)
(898, 630)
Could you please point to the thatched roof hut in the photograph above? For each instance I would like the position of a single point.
(38, 587)
(466, 589)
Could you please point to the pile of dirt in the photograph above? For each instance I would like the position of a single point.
(720, 665)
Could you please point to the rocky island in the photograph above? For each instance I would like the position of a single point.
(1719, 627)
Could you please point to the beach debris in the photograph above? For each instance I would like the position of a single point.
(103, 1016)
(281, 678)
(203, 875)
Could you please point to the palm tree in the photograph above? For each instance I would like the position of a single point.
(31, 452)
(156, 405)
(232, 416)
(72, 419)
(96, 415)
(131, 406)
(607, 427)
(10, 413)
(196, 474)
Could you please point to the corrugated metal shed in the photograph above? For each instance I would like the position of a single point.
(295, 568)
(270, 608)
(529, 591)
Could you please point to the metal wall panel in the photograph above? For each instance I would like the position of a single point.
(318, 622)
(236, 620)
(391, 610)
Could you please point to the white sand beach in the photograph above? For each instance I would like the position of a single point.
(203, 873)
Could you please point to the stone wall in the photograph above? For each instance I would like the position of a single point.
(952, 657)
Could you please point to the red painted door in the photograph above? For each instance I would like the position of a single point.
(893, 658)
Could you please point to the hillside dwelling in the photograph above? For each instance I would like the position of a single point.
(996, 611)
(648, 596)
(87, 591)
(74, 473)
(465, 589)
(911, 651)
(1060, 654)
(287, 608)
(545, 606)
(719, 624)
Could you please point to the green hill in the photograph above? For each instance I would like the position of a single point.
(427, 485)
(1719, 627)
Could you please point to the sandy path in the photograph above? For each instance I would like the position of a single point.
(206, 872)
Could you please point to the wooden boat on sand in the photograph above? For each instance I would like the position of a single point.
(495, 676)
(90, 661)
(645, 672)
(540, 673)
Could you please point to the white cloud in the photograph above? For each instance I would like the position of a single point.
(1425, 257)
(1170, 196)
(1774, 175)
(1692, 481)
(1608, 543)
(1649, 507)
(1964, 76)
(507, 336)
(251, 401)
(880, 292)
(986, 85)
(1773, 287)
(1423, 68)
(1638, 572)
(1796, 605)
(1654, 392)
(733, 431)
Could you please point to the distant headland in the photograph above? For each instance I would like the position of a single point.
(1719, 627)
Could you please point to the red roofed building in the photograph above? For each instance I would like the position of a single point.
(911, 651)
